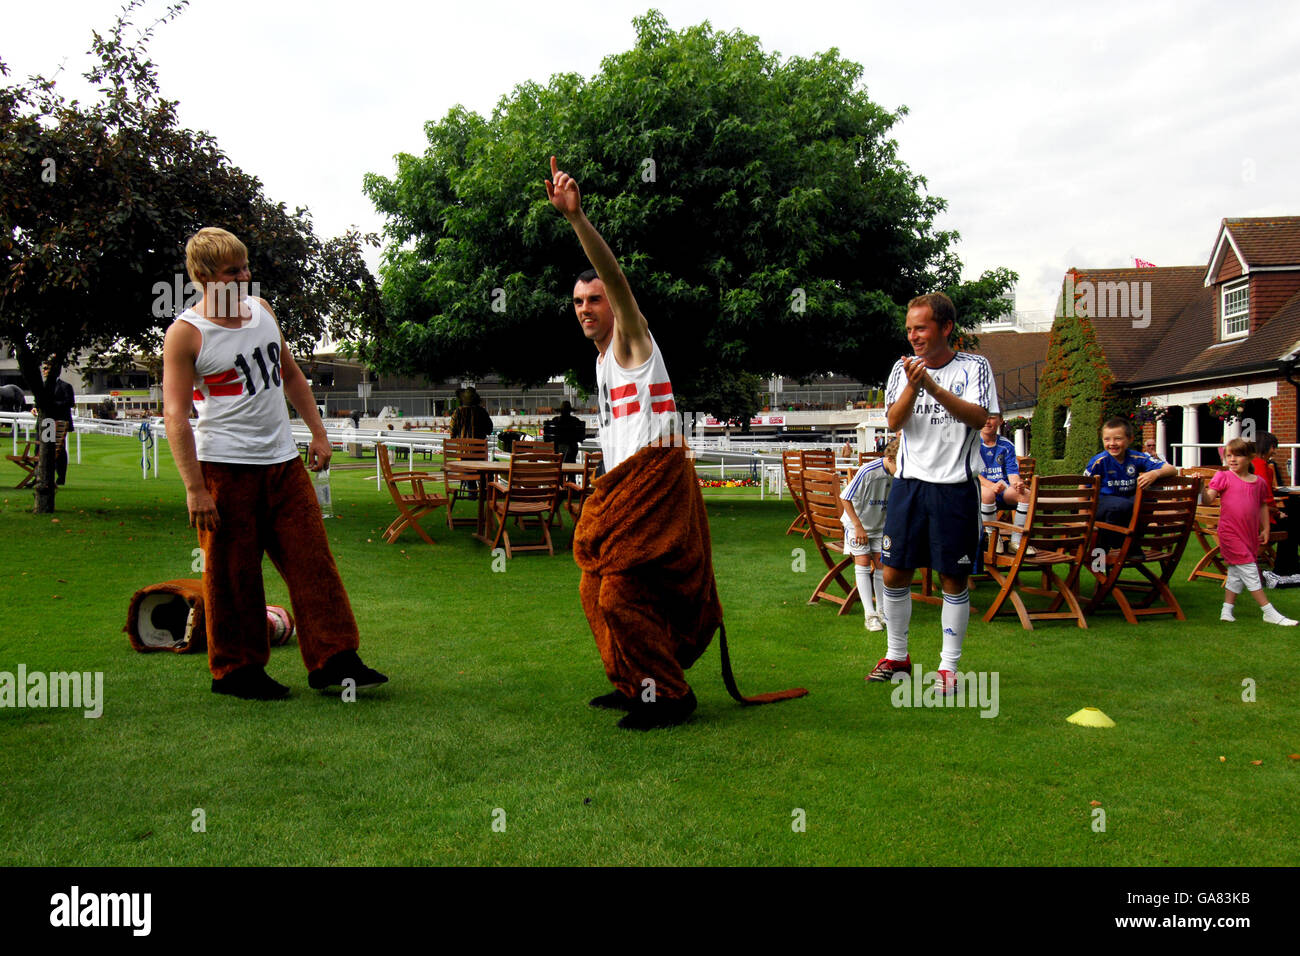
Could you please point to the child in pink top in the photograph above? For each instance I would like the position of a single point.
(1243, 527)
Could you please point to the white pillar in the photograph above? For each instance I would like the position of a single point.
(1022, 448)
(1191, 434)
(1231, 430)
(1162, 440)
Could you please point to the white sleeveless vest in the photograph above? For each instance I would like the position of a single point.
(636, 406)
(239, 393)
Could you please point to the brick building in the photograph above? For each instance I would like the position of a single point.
(1177, 337)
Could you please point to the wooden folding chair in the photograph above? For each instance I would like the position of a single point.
(27, 462)
(823, 460)
(579, 490)
(531, 451)
(532, 490)
(412, 498)
(792, 466)
(1164, 514)
(1062, 511)
(822, 504)
(461, 483)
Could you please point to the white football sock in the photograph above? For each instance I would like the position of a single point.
(879, 577)
(1022, 512)
(862, 574)
(955, 617)
(898, 607)
(1226, 613)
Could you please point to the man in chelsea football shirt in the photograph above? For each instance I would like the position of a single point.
(939, 399)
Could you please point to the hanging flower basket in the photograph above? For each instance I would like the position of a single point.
(1226, 408)
(1146, 414)
(1015, 424)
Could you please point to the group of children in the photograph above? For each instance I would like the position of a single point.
(1243, 524)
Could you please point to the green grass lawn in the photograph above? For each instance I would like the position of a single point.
(485, 717)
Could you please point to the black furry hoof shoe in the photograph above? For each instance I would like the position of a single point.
(345, 665)
(662, 712)
(614, 700)
(250, 683)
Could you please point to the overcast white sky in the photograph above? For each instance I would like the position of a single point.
(1074, 136)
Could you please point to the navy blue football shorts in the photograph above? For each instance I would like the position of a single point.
(934, 526)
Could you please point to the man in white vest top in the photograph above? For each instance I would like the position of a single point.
(642, 541)
(245, 486)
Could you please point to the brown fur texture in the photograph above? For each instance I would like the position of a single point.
(647, 586)
(269, 509)
(190, 592)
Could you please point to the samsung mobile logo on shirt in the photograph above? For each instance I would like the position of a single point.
(75, 909)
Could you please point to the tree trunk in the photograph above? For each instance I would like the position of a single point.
(44, 487)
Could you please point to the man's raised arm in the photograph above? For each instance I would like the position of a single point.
(632, 338)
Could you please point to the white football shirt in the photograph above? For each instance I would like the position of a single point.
(934, 446)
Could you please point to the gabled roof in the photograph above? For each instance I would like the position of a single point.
(1263, 244)
(1147, 348)
(1273, 341)
(1179, 342)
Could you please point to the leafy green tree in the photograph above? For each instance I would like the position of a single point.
(96, 203)
(758, 207)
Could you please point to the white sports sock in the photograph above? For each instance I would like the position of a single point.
(879, 577)
(1273, 616)
(1022, 512)
(862, 574)
(988, 511)
(898, 607)
(955, 617)
(1226, 613)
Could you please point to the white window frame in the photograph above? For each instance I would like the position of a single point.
(1242, 315)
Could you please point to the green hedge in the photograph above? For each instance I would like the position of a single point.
(1076, 378)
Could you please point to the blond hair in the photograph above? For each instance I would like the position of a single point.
(209, 250)
(891, 450)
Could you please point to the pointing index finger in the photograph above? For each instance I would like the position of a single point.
(554, 169)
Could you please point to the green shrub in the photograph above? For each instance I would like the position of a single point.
(1077, 379)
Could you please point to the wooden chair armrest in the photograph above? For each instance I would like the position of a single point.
(1107, 526)
(416, 476)
(1003, 526)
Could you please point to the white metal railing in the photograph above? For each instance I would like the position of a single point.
(1215, 446)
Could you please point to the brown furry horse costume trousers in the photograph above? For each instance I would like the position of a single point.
(647, 586)
(269, 509)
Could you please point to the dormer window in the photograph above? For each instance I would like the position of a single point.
(1235, 309)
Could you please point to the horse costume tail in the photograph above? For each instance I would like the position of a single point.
(729, 679)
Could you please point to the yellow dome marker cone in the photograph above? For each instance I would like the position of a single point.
(1090, 717)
